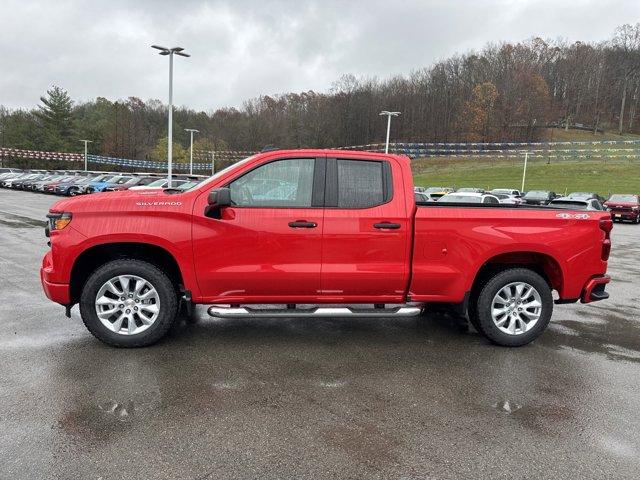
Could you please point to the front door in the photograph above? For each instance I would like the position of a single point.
(267, 246)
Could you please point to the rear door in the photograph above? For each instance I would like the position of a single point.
(366, 232)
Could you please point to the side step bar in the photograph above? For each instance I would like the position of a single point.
(229, 311)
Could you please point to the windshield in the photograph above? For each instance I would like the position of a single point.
(224, 171)
(460, 199)
(623, 198)
(568, 204)
(105, 178)
(120, 180)
(434, 189)
(537, 194)
(502, 191)
(161, 182)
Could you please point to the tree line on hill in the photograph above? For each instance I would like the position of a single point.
(505, 92)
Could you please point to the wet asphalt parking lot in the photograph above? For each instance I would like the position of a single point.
(316, 398)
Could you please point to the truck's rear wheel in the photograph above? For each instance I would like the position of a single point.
(514, 307)
(128, 303)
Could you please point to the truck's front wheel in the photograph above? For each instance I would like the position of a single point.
(128, 303)
(514, 307)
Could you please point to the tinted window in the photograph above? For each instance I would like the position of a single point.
(359, 184)
(453, 198)
(283, 183)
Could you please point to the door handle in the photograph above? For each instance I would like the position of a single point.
(387, 226)
(302, 224)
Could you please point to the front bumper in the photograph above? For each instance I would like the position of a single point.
(593, 291)
(624, 215)
(57, 292)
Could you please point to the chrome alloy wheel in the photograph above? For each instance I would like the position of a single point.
(516, 308)
(127, 304)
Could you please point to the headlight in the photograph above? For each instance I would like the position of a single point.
(58, 221)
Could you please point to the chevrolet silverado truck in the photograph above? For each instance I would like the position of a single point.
(317, 233)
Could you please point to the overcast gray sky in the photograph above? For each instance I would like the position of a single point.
(244, 48)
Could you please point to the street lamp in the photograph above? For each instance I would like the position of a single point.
(191, 131)
(213, 162)
(170, 52)
(85, 152)
(389, 115)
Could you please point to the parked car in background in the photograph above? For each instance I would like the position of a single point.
(505, 191)
(421, 197)
(18, 182)
(161, 183)
(469, 197)
(586, 195)
(69, 187)
(624, 207)
(132, 182)
(538, 197)
(7, 175)
(577, 203)
(7, 182)
(508, 199)
(40, 186)
(103, 182)
(434, 193)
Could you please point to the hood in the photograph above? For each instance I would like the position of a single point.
(621, 204)
(121, 200)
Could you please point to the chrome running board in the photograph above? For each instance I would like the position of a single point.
(293, 311)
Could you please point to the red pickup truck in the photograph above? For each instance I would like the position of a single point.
(316, 233)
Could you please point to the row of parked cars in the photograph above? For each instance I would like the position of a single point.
(72, 182)
(622, 206)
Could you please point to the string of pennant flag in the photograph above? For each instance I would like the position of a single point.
(625, 149)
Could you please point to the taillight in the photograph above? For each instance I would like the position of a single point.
(606, 225)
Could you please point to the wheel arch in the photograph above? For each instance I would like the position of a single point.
(97, 255)
(542, 263)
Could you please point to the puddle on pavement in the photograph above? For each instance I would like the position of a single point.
(614, 336)
(507, 406)
(18, 221)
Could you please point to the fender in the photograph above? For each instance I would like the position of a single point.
(182, 256)
(522, 250)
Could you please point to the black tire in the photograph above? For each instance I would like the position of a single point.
(163, 285)
(492, 286)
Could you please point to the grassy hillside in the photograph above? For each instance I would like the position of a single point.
(603, 174)
(570, 176)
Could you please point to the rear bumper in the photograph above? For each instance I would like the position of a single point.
(594, 289)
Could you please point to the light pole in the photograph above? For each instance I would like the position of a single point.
(191, 131)
(524, 171)
(389, 115)
(213, 162)
(170, 52)
(85, 152)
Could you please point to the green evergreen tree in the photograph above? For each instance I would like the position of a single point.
(56, 116)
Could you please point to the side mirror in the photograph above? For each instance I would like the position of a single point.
(218, 199)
